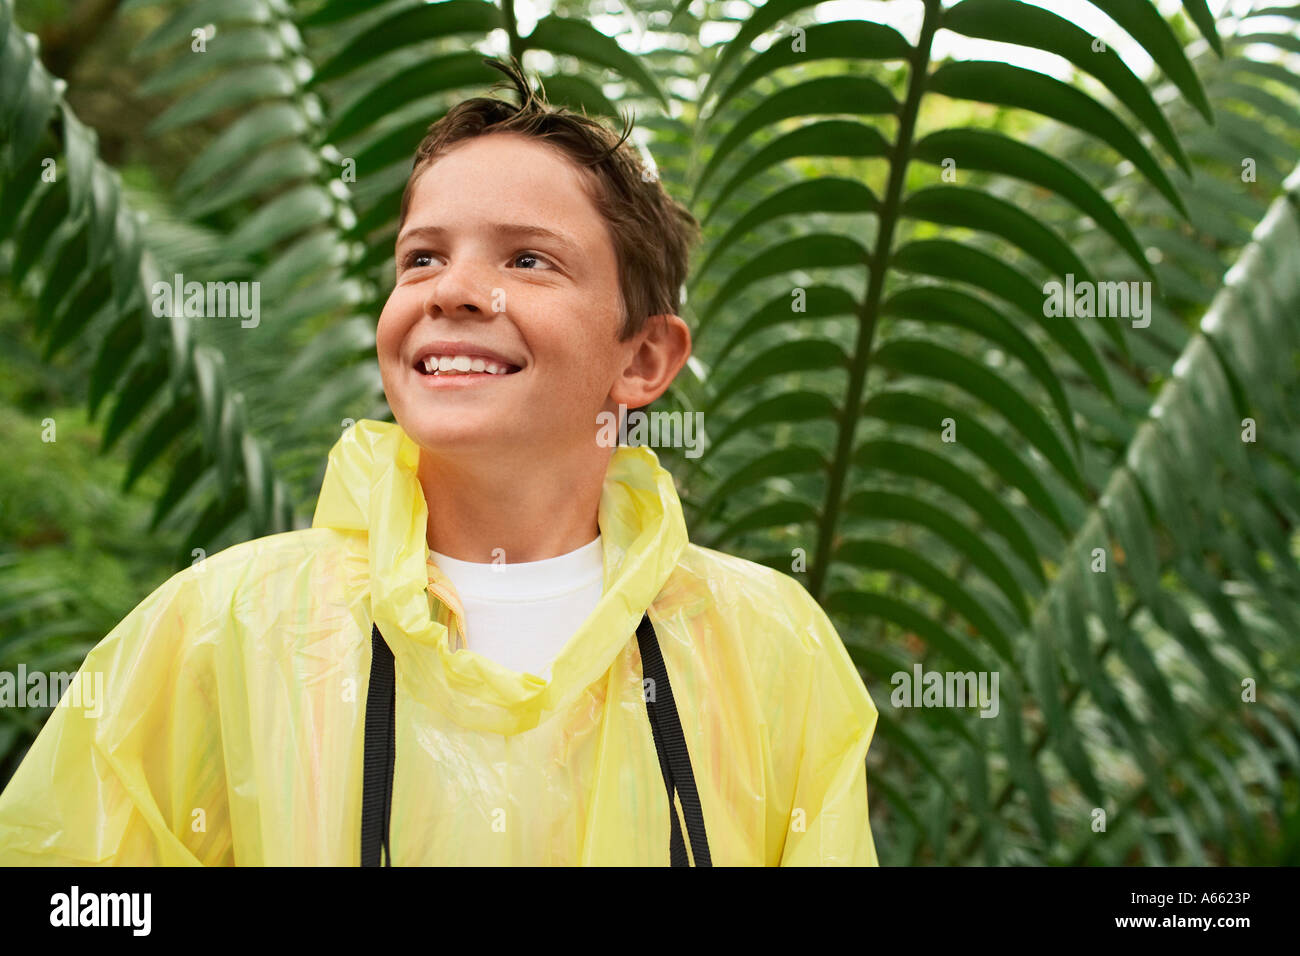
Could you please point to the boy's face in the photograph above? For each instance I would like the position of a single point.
(503, 255)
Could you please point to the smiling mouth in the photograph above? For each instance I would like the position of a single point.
(450, 366)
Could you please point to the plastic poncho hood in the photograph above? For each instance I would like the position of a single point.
(231, 729)
(371, 488)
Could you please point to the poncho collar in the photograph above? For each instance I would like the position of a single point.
(371, 488)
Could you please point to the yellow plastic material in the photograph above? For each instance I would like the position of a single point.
(234, 704)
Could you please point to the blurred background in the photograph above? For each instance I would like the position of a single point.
(1100, 509)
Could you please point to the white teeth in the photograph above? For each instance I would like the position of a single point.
(447, 364)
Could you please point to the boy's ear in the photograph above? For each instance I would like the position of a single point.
(658, 353)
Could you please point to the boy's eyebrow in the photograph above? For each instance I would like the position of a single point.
(516, 230)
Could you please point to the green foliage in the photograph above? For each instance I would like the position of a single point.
(75, 552)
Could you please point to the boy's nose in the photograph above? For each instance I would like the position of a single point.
(461, 288)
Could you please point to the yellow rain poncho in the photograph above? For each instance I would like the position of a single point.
(234, 703)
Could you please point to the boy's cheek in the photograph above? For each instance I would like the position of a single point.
(390, 368)
(388, 338)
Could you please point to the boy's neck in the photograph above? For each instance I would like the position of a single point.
(486, 510)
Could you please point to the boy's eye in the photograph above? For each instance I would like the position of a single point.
(413, 259)
(531, 255)
(420, 258)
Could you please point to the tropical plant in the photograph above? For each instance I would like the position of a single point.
(1102, 511)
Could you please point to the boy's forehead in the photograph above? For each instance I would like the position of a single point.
(505, 160)
(503, 179)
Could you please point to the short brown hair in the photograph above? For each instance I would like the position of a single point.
(653, 233)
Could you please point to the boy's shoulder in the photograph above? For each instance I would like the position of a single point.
(753, 596)
(240, 586)
(276, 553)
(262, 563)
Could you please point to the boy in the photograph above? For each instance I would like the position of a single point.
(495, 645)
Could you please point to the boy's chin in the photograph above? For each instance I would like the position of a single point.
(445, 434)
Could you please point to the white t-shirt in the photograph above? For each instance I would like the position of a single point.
(522, 615)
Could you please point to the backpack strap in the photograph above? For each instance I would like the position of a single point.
(380, 753)
(674, 758)
(665, 727)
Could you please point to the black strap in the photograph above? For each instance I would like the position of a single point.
(380, 753)
(665, 727)
(674, 758)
